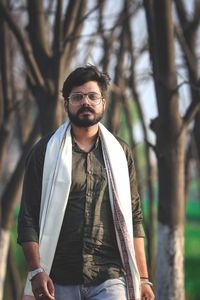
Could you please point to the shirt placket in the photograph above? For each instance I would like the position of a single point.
(88, 195)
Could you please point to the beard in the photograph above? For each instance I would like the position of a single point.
(85, 120)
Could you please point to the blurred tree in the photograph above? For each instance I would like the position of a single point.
(187, 34)
(7, 114)
(170, 129)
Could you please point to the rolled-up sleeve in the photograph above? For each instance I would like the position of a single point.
(137, 214)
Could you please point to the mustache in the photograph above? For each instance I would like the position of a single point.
(85, 109)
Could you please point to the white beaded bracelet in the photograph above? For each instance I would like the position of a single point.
(146, 281)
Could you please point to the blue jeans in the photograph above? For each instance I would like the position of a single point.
(111, 289)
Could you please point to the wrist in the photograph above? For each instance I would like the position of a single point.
(35, 272)
(33, 267)
(145, 281)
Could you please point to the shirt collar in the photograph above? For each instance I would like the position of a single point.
(76, 147)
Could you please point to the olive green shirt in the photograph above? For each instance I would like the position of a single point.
(87, 250)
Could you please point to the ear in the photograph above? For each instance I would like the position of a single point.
(66, 105)
(104, 103)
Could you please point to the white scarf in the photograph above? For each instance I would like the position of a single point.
(55, 192)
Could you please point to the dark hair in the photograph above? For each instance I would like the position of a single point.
(82, 75)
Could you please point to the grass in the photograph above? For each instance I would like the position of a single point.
(192, 260)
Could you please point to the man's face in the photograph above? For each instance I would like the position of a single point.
(85, 113)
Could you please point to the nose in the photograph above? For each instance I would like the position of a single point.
(85, 99)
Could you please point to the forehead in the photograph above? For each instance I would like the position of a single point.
(89, 86)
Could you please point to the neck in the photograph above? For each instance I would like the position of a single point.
(85, 137)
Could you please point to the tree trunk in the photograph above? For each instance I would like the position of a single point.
(16, 285)
(170, 136)
(188, 42)
(4, 246)
(150, 224)
(170, 268)
(115, 106)
(197, 133)
(170, 252)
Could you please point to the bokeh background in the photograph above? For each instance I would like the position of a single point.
(150, 49)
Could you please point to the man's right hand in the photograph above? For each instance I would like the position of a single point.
(42, 287)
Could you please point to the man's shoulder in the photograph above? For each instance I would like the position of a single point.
(39, 148)
(127, 150)
(124, 144)
(42, 142)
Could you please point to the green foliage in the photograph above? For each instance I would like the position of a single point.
(192, 260)
(193, 210)
(192, 246)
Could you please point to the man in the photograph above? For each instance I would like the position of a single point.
(80, 207)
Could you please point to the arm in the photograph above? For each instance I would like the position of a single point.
(31, 253)
(41, 283)
(146, 290)
(28, 222)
